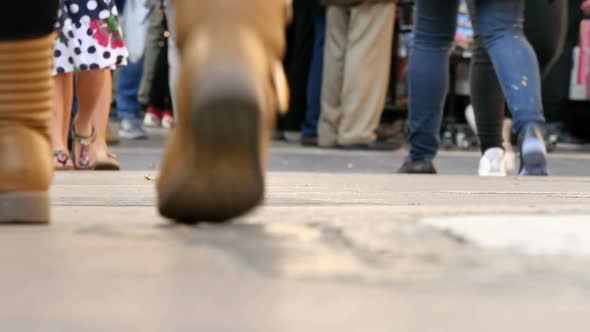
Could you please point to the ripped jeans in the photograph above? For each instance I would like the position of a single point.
(499, 26)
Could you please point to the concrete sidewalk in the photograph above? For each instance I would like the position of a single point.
(328, 252)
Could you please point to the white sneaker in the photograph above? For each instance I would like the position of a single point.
(152, 120)
(493, 163)
(168, 121)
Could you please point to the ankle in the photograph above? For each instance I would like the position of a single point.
(82, 129)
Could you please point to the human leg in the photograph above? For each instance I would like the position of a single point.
(314, 84)
(499, 25)
(337, 20)
(365, 86)
(60, 121)
(26, 94)
(428, 76)
(229, 88)
(94, 97)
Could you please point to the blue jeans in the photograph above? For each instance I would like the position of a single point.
(314, 83)
(128, 106)
(498, 25)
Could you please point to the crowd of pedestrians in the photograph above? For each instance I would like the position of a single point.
(517, 44)
(338, 64)
(212, 70)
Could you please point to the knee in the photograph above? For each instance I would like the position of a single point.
(481, 57)
(494, 32)
(433, 41)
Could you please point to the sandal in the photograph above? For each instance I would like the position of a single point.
(110, 163)
(62, 161)
(81, 150)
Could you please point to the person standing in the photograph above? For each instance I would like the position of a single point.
(357, 60)
(155, 85)
(89, 45)
(129, 79)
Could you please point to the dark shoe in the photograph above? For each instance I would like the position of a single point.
(418, 167)
(533, 153)
(373, 146)
(309, 141)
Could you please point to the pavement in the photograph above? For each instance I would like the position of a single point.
(342, 243)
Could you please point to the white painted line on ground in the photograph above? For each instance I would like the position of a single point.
(562, 235)
(521, 193)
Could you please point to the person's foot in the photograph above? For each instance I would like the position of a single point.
(373, 146)
(153, 117)
(533, 153)
(292, 136)
(168, 121)
(309, 141)
(62, 160)
(493, 163)
(228, 93)
(418, 167)
(132, 129)
(82, 147)
(26, 165)
(106, 161)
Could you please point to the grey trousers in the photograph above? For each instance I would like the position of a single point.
(173, 54)
(152, 48)
(357, 60)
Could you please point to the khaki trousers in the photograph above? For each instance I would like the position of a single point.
(173, 54)
(357, 60)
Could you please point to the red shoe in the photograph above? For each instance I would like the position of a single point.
(153, 117)
(168, 119)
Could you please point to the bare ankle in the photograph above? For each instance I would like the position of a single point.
(83, 129)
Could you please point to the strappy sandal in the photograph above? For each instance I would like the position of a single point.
(110, 163)
(81, 150)
(62, 161)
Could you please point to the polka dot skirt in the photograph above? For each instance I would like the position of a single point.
(89, 37)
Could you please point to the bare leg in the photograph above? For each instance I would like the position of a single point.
(94, 98)
(61, 112)
(89, 90)
(101, 116)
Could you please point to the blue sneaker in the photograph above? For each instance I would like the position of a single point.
(533, 153)
(132, 129)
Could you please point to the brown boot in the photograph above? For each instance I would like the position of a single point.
(26, 94)
(228, 94)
